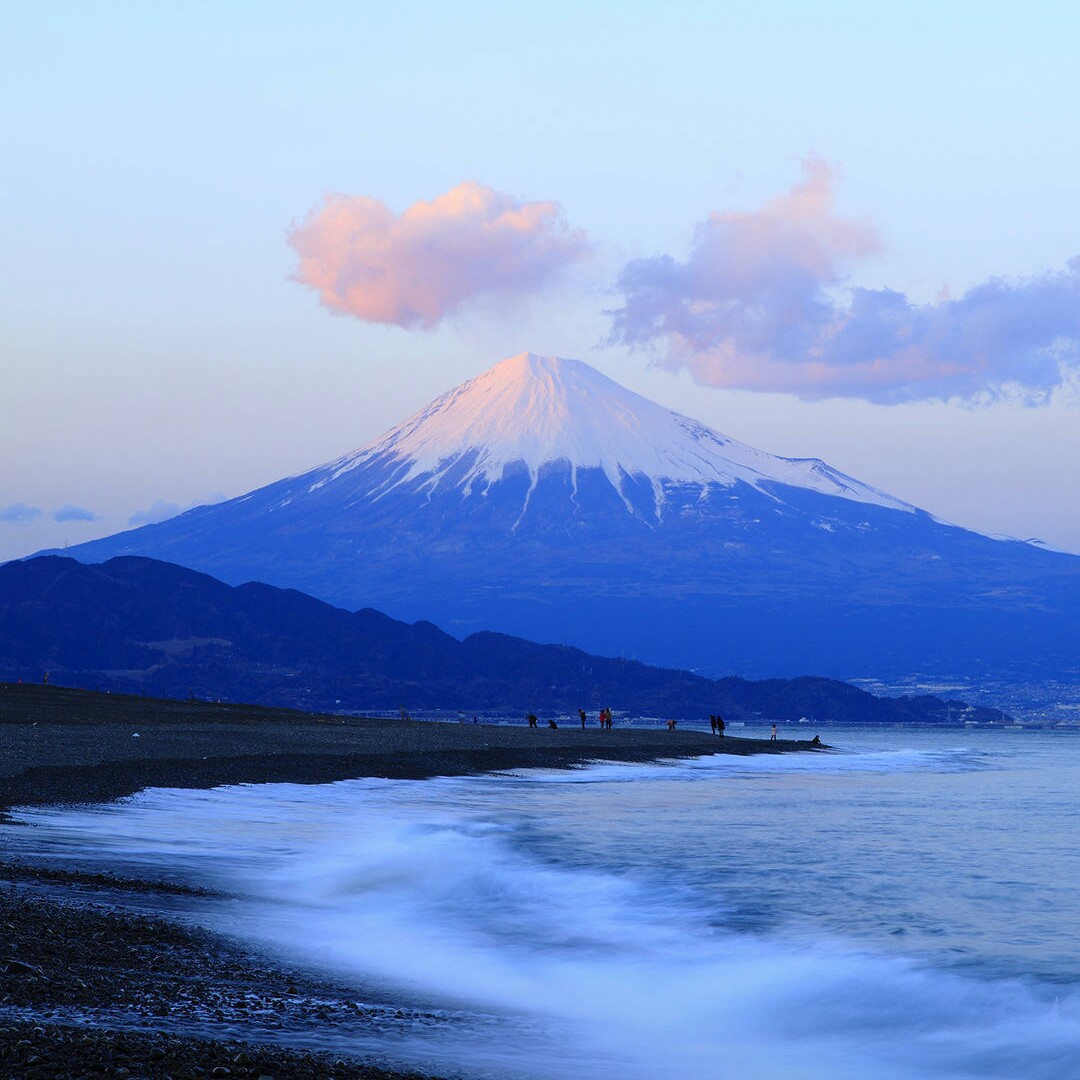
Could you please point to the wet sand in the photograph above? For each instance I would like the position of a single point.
(89, 989)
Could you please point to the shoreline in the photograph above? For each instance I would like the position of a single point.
(87, 987)
(76, 746)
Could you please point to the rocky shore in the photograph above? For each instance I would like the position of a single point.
(88, 988)
(76, 746)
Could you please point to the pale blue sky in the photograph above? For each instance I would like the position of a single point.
(155, 350)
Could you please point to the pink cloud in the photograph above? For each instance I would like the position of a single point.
(415, 268)
(759, 304)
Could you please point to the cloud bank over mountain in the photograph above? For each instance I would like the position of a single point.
(760, 303)
(416, 268)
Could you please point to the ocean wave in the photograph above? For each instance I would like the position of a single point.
(566, 968)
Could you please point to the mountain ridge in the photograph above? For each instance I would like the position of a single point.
(138, 625)
(734, 575)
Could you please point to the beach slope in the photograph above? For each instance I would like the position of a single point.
(89, 987)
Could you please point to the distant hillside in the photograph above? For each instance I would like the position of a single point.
(542, 499)
(142, 626)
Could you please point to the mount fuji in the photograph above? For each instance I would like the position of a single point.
(543, 499)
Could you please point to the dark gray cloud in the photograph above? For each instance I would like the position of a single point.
(74, 513)
(19, 514)
(760, 304)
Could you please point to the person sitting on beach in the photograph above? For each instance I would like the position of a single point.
(552, 724)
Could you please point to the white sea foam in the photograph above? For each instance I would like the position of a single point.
(956, 759)
(435, 893)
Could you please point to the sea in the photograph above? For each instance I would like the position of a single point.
(904, 906)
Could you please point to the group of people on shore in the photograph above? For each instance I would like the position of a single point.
(716, 721)
(604, 717)
(531, 720)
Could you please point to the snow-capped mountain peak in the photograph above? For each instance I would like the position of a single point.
(539, 410)
(544, 500)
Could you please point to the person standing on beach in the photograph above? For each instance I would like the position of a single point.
(531, 717)
(712, 723)
(719, 725)
(581, 714)
(772, 737)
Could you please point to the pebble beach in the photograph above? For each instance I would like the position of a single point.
(89, 988)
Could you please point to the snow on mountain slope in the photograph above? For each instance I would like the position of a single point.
(541, 410)
(727, 559)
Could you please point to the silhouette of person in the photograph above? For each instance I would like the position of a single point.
(581, 714)
(772, 736)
